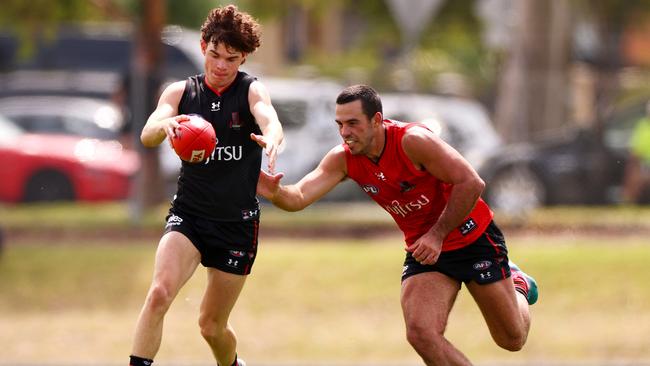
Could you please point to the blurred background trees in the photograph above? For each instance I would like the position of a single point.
(536, 65)
(524, 59)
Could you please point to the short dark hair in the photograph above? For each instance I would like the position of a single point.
(370, 101)
(233, 28)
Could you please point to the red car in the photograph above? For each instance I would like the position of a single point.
(54, 167)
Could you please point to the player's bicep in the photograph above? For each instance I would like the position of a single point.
(438, 158)
(152, 133)
(260, 105)
(169, 100)
(161, 112)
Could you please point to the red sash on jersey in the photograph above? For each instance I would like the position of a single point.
(414, 198)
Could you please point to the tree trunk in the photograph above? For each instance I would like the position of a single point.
(532, 95)
(144, 91)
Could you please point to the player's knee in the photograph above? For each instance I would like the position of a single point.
(211, 330)
(512, 341)
(160, 298)
(421, 338)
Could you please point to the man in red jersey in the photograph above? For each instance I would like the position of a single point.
(433, 194)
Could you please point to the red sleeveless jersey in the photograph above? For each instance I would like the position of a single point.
(414, 198)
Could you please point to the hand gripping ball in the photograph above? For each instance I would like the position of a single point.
(195, 140)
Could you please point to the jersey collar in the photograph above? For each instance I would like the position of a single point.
(215, 91)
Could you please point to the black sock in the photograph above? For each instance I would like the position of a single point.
(139, 361)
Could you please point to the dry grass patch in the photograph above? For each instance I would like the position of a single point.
(322, 301)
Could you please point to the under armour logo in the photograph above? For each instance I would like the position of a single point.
(216, 106)
(468, 226)
(380, 176)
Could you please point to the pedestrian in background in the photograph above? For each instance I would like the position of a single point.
(637, 169)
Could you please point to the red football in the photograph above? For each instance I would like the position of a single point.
(195, 140)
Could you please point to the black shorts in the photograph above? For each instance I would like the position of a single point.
(228, 246)
(484, 261)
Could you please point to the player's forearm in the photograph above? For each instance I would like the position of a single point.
(461, 201)
(153, 133)
(267, 119)
(274, 133)
(289, 198)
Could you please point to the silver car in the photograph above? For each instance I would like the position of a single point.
(78, 116)
(462, 123)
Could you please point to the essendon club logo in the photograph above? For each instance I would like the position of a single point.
(405, 186)
(234, 123)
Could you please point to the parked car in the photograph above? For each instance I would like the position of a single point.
(53, 167)
(87, 117)
(89, 59)
(569, 168)
(462, 123)
(306, 109)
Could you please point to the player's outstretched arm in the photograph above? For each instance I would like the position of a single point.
(162, 122)
(267, 119)
(329, 172)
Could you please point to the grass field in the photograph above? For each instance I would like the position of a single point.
(87, 217)
(318, 301)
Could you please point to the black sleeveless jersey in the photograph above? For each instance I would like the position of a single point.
(224, 186)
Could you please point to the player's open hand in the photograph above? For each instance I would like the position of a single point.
(270, 149)
(268, 185)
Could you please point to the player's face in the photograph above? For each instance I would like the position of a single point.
(221, 64)
(356, 129)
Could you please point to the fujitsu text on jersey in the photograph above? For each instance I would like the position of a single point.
(227, 153)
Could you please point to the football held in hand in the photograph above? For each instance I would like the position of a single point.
(195, 140)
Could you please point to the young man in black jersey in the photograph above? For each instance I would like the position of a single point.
(214, 217)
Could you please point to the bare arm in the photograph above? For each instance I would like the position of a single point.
(330, 171)
(267, 119)
(163, 121)
(427, 151)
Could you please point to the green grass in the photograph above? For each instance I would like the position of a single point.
(81, 216)
(119, 215)
(605, 216)
(38, 277)
(318, 300)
